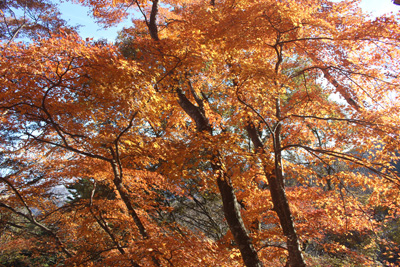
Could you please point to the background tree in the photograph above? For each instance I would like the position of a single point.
(270, 110)
(30, 19)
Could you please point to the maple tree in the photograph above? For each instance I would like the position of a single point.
(30, 19)
(214, 133)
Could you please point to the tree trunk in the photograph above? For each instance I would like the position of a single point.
(126, 199)
(233, 217)
(278, 195)
(123, 192)
(281, 207)
(230, 204)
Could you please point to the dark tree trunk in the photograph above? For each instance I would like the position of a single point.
(126, 199)
(278, 195)
(230, 204)
(233, 217)
(281, 207)
(123, 192)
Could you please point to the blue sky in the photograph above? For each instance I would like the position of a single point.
(76, 14)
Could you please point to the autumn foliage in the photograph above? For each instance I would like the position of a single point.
(222, 133)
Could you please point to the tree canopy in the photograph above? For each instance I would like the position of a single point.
(210, 133)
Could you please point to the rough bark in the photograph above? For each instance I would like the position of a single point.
(194, 112)
(230, 204)
(234, 219)
(279, 199)
(153, 21)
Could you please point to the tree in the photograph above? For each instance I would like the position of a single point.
(203, 103)
(30, 19)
